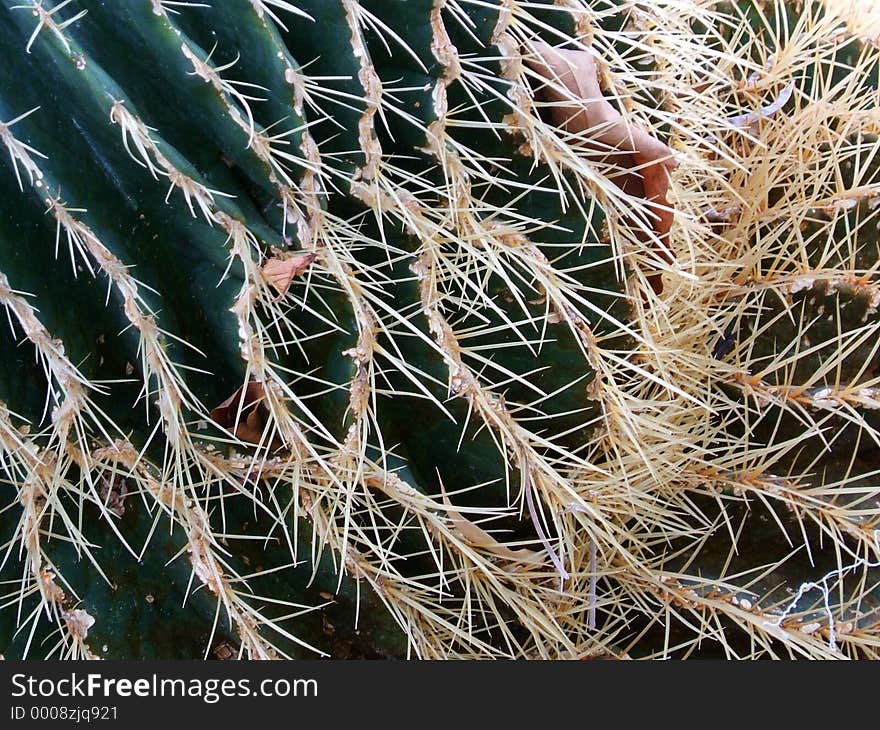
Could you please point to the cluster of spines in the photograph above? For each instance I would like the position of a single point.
(643, 398)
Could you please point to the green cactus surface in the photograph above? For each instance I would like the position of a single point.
(359, 328)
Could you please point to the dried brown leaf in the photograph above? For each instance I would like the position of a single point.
(479, 538)
(244, 413)
(112, 491)
(579, 108)
(280, 271)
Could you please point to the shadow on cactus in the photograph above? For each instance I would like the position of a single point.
(452, 329)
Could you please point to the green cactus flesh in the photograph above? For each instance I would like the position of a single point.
(325, 339)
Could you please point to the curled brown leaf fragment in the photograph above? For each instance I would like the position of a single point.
(112, 491)
(244, 413)
(478, 537)
(579, 108)
(224, 651)
(281, 270)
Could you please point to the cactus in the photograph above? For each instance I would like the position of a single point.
(352, 328)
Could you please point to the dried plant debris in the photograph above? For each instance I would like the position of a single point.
(282, 269)
(750, 119)
(244, 413)
(224, 652)
(112, 491)
(477, 537)
(580, 109)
